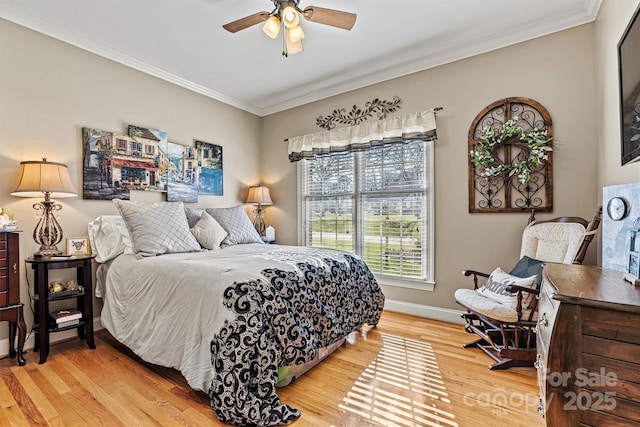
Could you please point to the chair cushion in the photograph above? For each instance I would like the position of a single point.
(552, 241)
(478, 303)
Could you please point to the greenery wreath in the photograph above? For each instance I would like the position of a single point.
(534, 142)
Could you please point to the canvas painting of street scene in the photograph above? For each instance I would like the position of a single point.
(209, 157)
(115, 164)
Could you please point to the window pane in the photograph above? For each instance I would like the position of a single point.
(389, 225)
(394, 234)
(330, 175)
(395, 167)
(330, 223)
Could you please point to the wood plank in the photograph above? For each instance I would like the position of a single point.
(407, 371)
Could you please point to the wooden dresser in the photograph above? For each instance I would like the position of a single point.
(11, 309)
(588, 358)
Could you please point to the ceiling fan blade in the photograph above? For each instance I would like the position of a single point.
(246, 22)
(335, 18)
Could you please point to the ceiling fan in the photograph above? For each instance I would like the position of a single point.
(287, 14)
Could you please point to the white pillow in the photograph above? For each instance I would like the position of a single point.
(208, 232)
(236, 222)
(109, 237)
(499, 280)
(157, 228)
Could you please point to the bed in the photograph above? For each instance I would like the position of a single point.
(236, 320)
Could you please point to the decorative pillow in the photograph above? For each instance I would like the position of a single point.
(528, 267)
(236, 222)
(495, 288)
(208, 232)
(157, 228)
(193, 215)
(109, 237)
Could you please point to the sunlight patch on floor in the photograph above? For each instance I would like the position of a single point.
(401, 387)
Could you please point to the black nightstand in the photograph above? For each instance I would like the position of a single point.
(43, 326)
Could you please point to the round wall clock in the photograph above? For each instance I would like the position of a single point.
(617, 208)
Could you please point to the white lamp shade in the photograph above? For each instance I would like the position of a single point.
(38, 177)
(272, 27)
(259, 195)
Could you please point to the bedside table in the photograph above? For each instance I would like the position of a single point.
(43, 327)
(11, 309)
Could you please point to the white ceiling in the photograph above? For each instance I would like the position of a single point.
(182, 41)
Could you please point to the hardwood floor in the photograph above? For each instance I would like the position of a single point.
(408, 371)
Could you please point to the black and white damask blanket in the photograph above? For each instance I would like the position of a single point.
(228, 319)
(283, 320)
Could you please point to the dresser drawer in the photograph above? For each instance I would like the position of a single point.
(4, 299)
(619, 326)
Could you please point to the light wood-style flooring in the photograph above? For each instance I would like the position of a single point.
(408, 371)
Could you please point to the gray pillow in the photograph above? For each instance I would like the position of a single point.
(193, 215)
(157, 228)
(208, 232)
(237, 224)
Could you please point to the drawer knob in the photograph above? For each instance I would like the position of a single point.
(543, 321)
(15, 268)
(539, 363)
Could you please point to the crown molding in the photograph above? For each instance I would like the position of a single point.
(442, 56)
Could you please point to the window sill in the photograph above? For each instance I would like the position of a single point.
(405, 283)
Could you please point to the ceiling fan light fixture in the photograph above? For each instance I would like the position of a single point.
(291, 47)
(296, 34)
(272, 27)
(290, 17)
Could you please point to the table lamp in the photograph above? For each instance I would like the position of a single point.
(259, 195)
(51, 179)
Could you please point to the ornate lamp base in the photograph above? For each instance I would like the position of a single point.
(48, 250)
(258, 221)
(48, 232)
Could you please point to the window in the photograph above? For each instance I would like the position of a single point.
(376, 203)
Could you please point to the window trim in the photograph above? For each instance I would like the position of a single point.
(384, 279)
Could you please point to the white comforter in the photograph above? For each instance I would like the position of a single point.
(228, 319)
(167, 309)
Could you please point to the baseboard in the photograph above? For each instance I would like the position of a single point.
(430, 312)
(54, 338)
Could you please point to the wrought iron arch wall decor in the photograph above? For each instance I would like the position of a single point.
(355, 116)
(505, 192)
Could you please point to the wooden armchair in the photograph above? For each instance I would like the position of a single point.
(503, 310)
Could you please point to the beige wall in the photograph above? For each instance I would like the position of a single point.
(556, 70)
(50, 90)
(613, 18)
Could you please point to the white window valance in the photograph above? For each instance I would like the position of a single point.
(391, 130)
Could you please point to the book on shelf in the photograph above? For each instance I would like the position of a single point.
(63, 316)
(73, 322)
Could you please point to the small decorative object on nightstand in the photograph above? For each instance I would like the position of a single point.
(79, 289)
(269, 235)
(11, 309)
